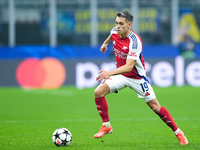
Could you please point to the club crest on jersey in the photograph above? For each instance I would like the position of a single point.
(124, 48)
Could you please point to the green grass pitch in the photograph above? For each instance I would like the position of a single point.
(29, 117)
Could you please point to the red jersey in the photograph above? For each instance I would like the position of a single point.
(129, 48)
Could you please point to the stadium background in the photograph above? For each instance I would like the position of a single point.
(54, 43)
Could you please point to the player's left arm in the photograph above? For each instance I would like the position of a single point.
(123, 69)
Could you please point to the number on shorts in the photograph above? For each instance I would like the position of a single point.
(144, 86)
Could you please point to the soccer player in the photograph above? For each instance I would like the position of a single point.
(130, 73)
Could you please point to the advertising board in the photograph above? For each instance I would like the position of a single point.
(53, 73)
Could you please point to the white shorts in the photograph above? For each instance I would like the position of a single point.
(141, 86)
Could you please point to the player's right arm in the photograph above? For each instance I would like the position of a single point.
(123, 69)
(105, 44)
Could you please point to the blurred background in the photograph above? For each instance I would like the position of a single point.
(67, 34)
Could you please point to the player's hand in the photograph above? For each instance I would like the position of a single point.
(104, 75)
(103, 48)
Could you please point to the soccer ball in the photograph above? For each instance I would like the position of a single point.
(62, 137)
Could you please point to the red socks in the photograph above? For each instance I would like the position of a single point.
(164, 114)
(167, 118)
(102, 108)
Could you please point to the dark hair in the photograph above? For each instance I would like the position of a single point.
(125, 14)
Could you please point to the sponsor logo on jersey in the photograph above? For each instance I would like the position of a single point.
(120, 54)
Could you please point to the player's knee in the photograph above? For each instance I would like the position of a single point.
(154, 105)
(101, 91)
(98, 93)
(155, 108)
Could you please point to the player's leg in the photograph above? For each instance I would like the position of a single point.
(149, 96)
(100, 92)
(113, 84)
(164, 114)
(102, 107)
(144, 90)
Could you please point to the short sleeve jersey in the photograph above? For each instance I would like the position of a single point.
(129, 48)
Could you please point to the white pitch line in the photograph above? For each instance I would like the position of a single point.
(96, 120)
